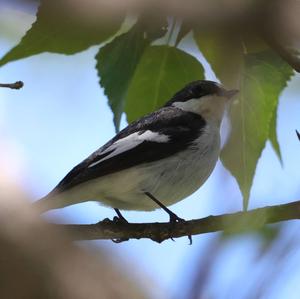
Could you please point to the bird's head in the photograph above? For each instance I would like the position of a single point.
(206, 98)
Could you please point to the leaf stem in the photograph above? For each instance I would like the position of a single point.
(172, 28)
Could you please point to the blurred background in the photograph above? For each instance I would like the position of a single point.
(61, 116)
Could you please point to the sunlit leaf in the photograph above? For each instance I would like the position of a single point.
(162, 71)
(264, 77)
(118, 60)
(260, 77)
(66, 27)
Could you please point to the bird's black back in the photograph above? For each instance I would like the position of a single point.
(180, 126)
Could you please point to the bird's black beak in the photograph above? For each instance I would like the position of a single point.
(229, 93)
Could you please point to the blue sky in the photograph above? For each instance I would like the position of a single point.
(61, 116)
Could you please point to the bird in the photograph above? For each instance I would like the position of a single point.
(154, 162)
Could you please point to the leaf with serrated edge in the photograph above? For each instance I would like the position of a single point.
(260, 77)
(264, 78)
(162, 71)
(66, 27)
(117, 61)
(273, 135)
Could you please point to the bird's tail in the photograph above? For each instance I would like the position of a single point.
(49, 202)
(57, 200)
(42, 205)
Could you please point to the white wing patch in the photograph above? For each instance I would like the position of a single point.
(131, 141)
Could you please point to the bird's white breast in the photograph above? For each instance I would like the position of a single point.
(169, 180)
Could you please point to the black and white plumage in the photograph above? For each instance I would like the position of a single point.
(169, 153)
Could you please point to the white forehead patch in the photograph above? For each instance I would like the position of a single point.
(191, 105)
(197, 105)
(210, 107)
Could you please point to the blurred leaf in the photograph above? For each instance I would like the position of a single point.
(162, 71)
(66, 27)
(273, 135)
(260, 77)
(253, 43)
(224, 54)
(118, 60)
(268, 234)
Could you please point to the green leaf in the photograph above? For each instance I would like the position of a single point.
(263, 79)
(162, 71)
(260, 77)
(224, 54)
(273, 136)
(118, 60)
(66, 27)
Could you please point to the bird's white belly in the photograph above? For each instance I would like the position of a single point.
(169, 180)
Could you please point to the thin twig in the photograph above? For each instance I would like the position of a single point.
(159, 232)
(16, 85)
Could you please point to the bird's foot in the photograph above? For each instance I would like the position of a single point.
(175, 219)
(120, 240)
(119, 220)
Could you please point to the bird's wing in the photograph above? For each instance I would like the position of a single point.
(152, 138)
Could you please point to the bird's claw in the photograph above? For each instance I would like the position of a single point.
(116, 220)
(106, 220)
(120, 240)
(175, 219)
(119, 220)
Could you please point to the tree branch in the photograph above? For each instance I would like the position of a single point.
(235, 222)
(16, 85)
